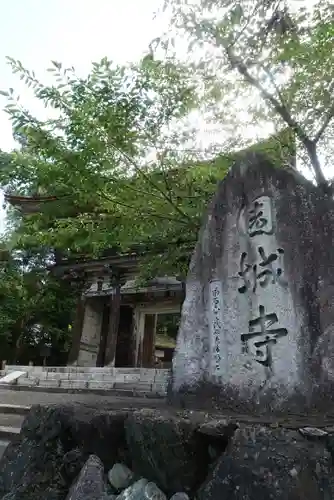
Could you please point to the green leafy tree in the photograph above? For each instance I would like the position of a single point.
(115, 168)
(111, 156)
(114, 162)
(36, 310)
(273, 58)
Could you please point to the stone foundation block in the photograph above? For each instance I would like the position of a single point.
(49, 383)
(74, 384)
(101, 384)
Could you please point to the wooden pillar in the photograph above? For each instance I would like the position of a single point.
(111, 344)
(124, 348)
(91, 332)
(147, 342)
(77, 331)
(104, 335)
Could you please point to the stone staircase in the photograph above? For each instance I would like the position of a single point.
(126, 381)
(11, 418)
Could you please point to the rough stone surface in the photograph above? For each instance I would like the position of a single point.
(73, 462)
(190, 452)
(54, 443)
(90, 483)
(96, 431)
(262, 463)
(120, 476)
(180, 496)
(166, 450)
(135, 492)
(313, 432)
(257, 328)
(31, 466)
(152, 492)
(216, 435)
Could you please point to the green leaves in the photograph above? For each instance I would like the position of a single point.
(34, 307)
(98, 153)
(271, 60)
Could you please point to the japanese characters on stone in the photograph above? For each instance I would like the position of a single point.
(262, 337)
(255, 275)
(259, 217)
(216, 325)
(262, 272)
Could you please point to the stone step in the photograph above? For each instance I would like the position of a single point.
(129, 381)
(82, 369)
(95, 374)
(117, 390)
(14, 409)
(8, 420)
(8, 433)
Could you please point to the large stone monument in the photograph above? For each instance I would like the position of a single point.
(257, 326)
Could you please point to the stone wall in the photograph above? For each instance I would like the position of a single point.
(137, 380)
(74, 453)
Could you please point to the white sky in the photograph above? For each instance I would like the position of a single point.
(74, 32)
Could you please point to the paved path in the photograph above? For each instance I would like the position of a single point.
(27, 398)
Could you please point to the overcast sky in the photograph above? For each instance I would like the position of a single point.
(74, 32)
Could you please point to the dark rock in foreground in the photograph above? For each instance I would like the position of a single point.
(166, 449)
(262, 463)
(66, 452)
(90, 482)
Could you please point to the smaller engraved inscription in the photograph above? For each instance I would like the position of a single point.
(216, 325)
(259, 217)
(261, 337)
(263, 272)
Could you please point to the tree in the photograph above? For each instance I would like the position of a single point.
(114, 164)
(273, 56)
(35, 308)
(111, 158)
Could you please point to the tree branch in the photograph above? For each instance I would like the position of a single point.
(322, 129)
(144, 214)
(279, 107)
(274, 84)
(283, 111)
(149, 180)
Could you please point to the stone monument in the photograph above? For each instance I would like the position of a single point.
(257, 327)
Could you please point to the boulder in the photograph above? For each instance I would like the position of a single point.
(120, 476)
(152, 492)
(134, 492)
(257, 323)
(180, 496)
(53, 445)
(142, 490)
(73, 462)
(166, 449)
(262, 463)
(96, 430)
(31, 465)
(89, 485)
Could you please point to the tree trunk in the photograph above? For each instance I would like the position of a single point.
(311, 149)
